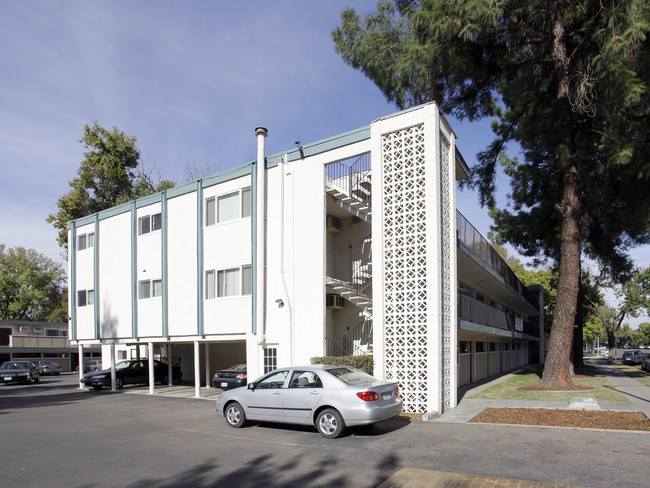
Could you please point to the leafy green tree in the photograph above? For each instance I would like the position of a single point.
(592, 330)
(634, 299)
(629, 337)
(31, 285)
(644, 330)
(109, 175)
(565, 81)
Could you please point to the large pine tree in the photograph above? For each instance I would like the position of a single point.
(568, 83)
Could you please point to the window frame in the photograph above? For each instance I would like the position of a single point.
(88, 298)
(152, 285)
(216, 279)
(270, 358)
(153, 223)
(88, 240)
(243, 205)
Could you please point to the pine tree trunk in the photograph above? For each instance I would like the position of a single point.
(557, 368)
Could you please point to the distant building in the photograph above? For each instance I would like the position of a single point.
(349, 245)
(22, 339)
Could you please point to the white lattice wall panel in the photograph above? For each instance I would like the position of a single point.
(446, 275)
(406, 313)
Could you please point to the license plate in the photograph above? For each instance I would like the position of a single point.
(387, 397)
(224, 384)
(7, 378)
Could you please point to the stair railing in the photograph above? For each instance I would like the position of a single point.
(353, 178)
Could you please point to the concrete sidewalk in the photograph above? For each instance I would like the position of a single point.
(468, 408)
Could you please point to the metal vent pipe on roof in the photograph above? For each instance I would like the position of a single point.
(260, 214)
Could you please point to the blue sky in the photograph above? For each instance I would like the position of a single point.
(191, 80)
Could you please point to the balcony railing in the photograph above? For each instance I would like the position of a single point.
(472, 310)
(473, 239)
(38, 342)
(353, 178)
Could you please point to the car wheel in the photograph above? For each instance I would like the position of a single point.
(119, 383)
(164, 380)
(330, 423)
(235, 415)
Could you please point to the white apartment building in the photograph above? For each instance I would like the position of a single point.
(349, 245)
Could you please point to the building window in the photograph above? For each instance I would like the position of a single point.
(480, 347)
(247, 280)
(270, 359)
(121, 354)
(150, 289)
(85, 297)
(84, 241)
(56, 333)
(156, 288)
(229, 282)
(149, 223)
(209, 211)
(231, 206)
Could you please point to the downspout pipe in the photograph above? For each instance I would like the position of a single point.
(260, 241)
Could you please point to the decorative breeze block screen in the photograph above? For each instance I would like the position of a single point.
(446, 274)
(405, 265)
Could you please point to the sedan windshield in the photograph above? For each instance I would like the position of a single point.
(352, 376)
(14, 366)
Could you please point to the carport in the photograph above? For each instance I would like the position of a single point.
(198, 361)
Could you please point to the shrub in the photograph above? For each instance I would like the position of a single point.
(364, 363)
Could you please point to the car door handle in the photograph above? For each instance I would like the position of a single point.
(314, 393)
(277, 393)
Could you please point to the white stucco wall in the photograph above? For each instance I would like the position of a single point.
(181, 264)
(115, 276)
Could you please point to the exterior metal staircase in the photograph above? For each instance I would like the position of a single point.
(350, 276)
(351, 187)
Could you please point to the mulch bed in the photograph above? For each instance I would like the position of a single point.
(556, 388)
(556, 417)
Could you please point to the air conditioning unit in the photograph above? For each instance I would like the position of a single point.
(24, 328)
(333, 223)
(37, 329)
(332, 300)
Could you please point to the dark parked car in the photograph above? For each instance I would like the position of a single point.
(633, 356)
(131, 372)
(19, 372)
(645, 362)
(232, 377)
(48, 367)
(328, 397)
(93, 365)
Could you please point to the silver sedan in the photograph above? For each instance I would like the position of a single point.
(329, 397)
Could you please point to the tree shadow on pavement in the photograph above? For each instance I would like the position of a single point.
(268, 472)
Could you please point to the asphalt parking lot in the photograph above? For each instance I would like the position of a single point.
(56, 435)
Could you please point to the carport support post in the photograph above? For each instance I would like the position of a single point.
(207, 365)
(168, 348)
(113, 374)
(152, 379)
(81, 364)
(197, 369)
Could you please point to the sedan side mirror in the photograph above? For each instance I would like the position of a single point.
(251, 386)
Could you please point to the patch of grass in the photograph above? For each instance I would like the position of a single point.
(634, 372)
(602, 391)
